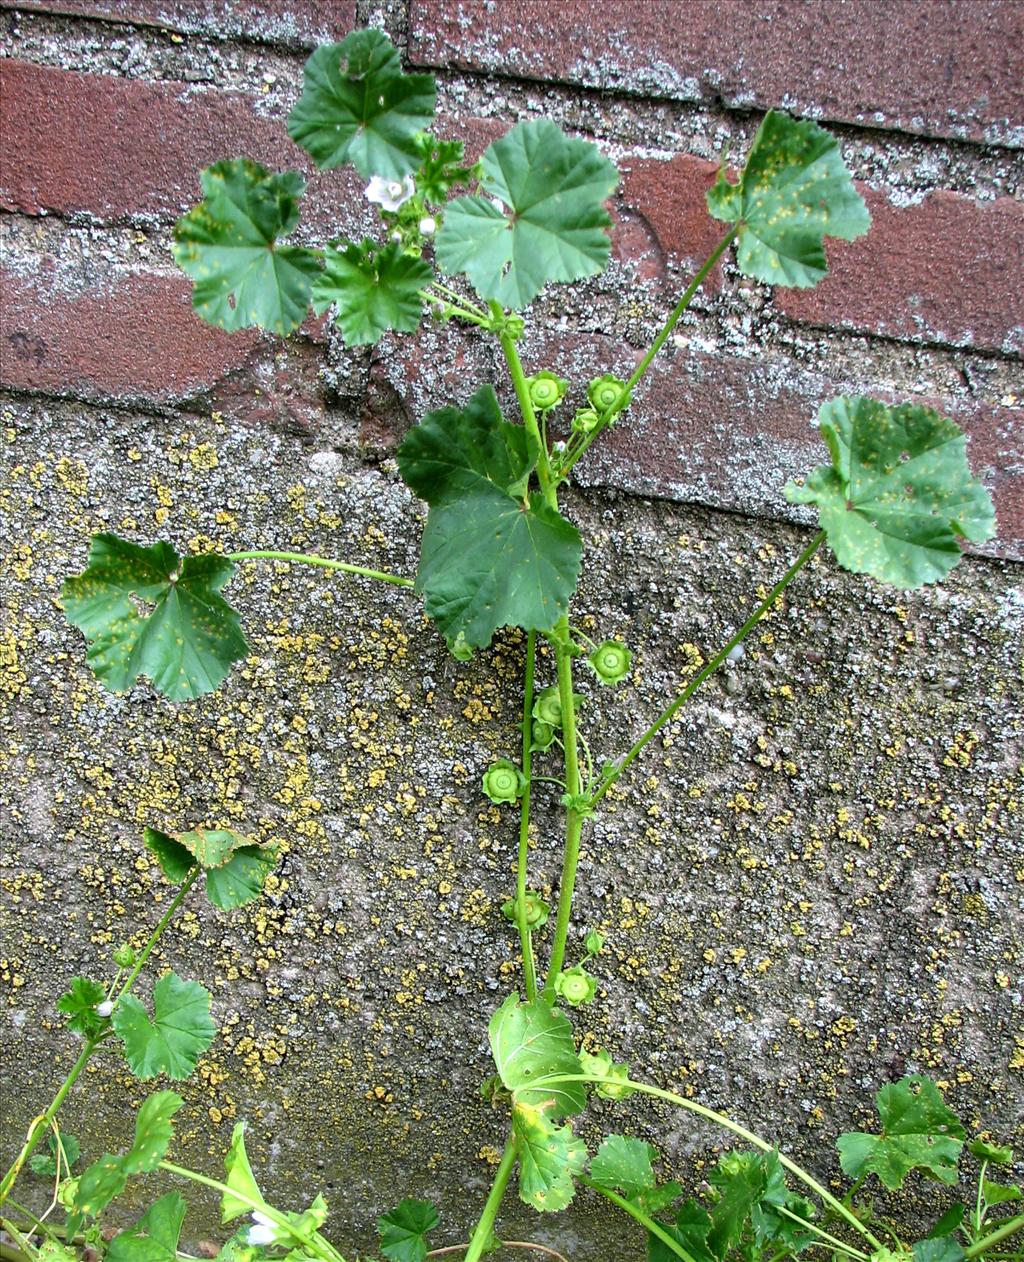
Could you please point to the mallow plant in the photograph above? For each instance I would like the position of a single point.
(476, 242)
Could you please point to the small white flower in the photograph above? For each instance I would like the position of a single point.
(428, 225)
(396, 236)
(264, 1230)
(105, 1008)
(558, 447)
(737, 653)
(390, 194)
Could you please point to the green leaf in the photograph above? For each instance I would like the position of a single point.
(690, 1230)
(79, 1003)
(174, 859)
(239, 1178)
(228, 245)
(999, 1193)
(554, 227)
(793, 192)
(624, 1164)
(949, 1221)
(899, 495)
(530, 1041)
(549, 1158)
(106, 1178)
(375, 289)
(403, 1230)
(918, 1132)
(943, 1250)
(154, 1238)
(739, 1181)
(441, 168)
(489, 559)
(186, 643)
(241, 879)
(45, 1163)
(235, 868)
(357, 106)
(181, 1029)
(153, 1132)
(99, 1184)
(984, 1150)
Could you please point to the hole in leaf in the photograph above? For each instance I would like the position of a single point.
(143, 607)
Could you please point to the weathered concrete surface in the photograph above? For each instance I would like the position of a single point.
(812, 884)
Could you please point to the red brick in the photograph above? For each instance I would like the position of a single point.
(115, 147)
(943, 68)
(667, 198)
(946, 270)
(134, 339)
(301, 22)
(715, 429)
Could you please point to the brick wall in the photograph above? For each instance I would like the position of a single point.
(111, 109)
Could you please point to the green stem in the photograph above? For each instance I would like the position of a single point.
(42, 1124)
(655, 1228)
(157, 933)
(720, 1119)
(670, 711)
(1001, 1232)
(525, 935)
(658, 342)
(485, 1227)
(526, 407)
(24, 1245)
(574, 820)
(834, 1241)
(303, 558)
(456, 308)
(315, 1243)
(453, 295)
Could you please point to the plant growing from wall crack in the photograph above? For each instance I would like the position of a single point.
(895, 501)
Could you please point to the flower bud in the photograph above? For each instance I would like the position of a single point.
(503, 782)
(428, 226)
(608, 392)
(535, 907)
(546, 390)
(585, 421)
(610, 662)
(576, 986)
(105, 1008)
(124, 956)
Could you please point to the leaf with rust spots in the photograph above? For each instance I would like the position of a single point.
(186, 643)
(228, 245)
(549, 1159)
(793, 192)
(919, 1132)
(899, 495)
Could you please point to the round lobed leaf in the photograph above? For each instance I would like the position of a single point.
(899, 495)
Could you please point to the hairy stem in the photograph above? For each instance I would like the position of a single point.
(525, 934)
(645, 1220)
(671, 710)
(302, 558)
(485, 1227)
(1000, 1233)
(574, 820)
(658, 342)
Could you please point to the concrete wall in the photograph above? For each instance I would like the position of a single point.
(812, 884)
